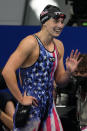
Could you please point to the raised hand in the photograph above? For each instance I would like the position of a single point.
(29, 100)
(72, 61)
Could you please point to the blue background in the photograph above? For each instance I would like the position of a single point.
(10, 36)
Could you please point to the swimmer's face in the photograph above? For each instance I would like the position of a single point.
(54, 26)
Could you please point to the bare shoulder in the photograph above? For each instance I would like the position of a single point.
(28, 42)
(23, 51)
(59, 46)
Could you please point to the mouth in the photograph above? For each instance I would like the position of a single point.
(57, 30)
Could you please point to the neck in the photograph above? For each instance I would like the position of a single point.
(45, 37)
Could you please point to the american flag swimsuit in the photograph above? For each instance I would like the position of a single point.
(38, 82)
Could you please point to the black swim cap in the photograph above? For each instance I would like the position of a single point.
(51, 11)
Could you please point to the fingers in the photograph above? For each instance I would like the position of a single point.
(34, 102)
(67, 59)
(80, 60)
(75, 55)
(71, 54)
(29, 100)
(34, 99)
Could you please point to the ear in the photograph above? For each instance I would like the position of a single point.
(47, 23)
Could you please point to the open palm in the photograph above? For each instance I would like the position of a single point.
(72, 61)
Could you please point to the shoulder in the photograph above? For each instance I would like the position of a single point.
(28, 43)
(60, 46)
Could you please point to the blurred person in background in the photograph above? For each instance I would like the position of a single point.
(7, 106)
(70, 104)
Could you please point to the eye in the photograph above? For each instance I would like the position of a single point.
(62, 21)
(56, 21)
(59, 21)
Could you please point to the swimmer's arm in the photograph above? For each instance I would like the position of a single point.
(15, 61)
(61, 75)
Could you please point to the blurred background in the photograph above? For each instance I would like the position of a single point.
(26, 12)
(20, 18)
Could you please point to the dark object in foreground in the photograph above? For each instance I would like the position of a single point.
(22, 115)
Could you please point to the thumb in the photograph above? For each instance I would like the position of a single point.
(67, 59)
(25, 93)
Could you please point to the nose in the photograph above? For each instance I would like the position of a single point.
(61, 24)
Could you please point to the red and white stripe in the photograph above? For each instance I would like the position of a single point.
(53, 122)
(55, 63)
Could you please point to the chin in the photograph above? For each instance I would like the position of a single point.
(56, 34)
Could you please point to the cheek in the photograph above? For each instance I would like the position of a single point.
(50, 27)
(62, 25)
